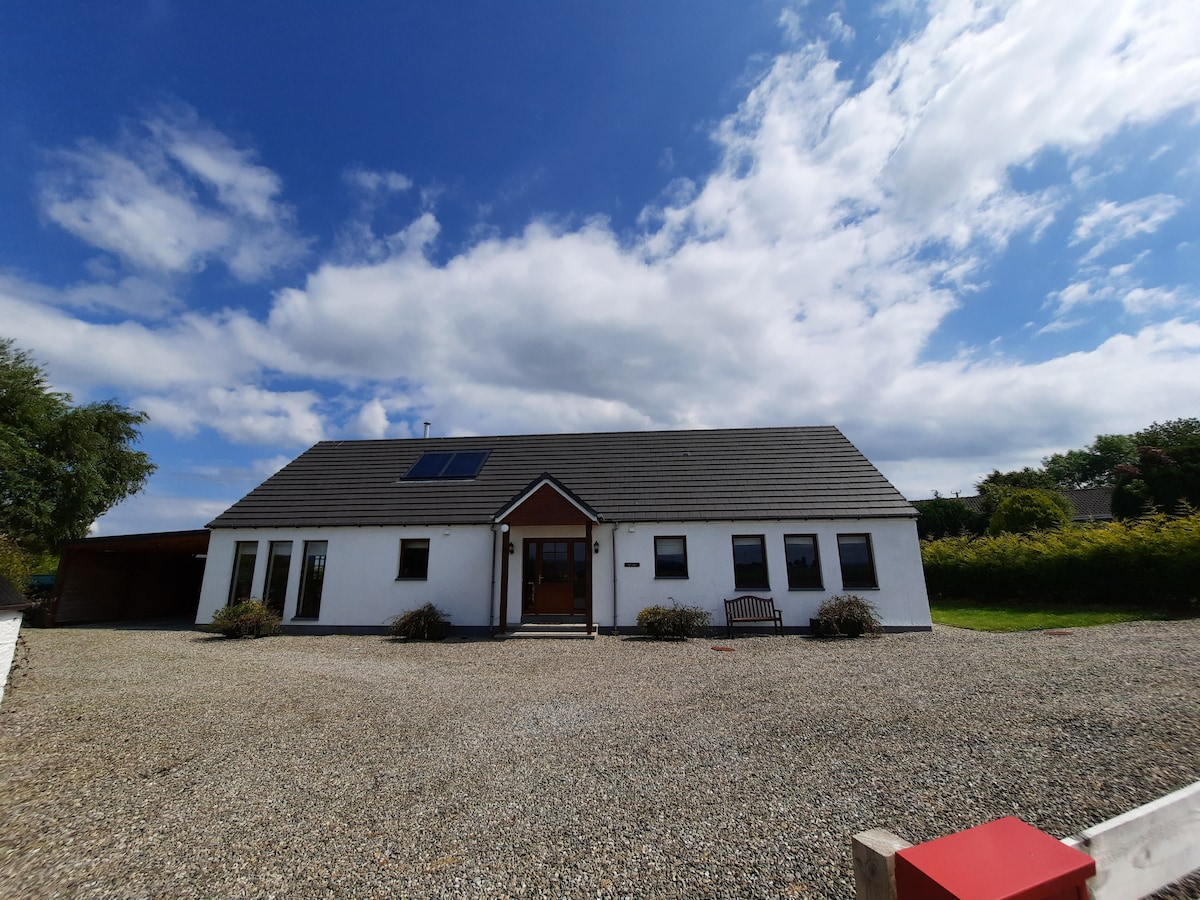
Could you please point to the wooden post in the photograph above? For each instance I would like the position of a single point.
(587, 565)
(875, 864)
(505, 550)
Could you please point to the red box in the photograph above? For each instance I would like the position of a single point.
(1002, 860)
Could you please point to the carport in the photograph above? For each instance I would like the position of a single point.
(132, 576)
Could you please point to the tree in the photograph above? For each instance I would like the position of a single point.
(1027, 477)
(1170, 434)
(947, 517)
(994, 488)
(1163, 480)
(1029, 509)
(61, 466)
(1165, 474)
(1094, 466)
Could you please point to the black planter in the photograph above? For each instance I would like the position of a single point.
(438, 631)
(844, 629)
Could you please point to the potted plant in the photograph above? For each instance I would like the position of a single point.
(425, 623)
(846, 615)
(673, 623)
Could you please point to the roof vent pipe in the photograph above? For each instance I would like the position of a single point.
(426, 434)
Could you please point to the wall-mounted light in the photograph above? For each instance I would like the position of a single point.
(504, 528)
(512, 548)
(596, 547)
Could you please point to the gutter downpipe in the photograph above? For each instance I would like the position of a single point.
(492, 593)
(615, 526)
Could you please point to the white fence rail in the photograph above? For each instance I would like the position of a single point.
(1144, 850)
(1137, 853)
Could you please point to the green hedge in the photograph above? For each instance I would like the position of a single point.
(1151, 562)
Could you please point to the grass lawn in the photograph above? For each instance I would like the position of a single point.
(1018, 617)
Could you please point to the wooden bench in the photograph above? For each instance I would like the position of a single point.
(752, 609)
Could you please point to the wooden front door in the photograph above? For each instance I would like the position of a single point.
(554, 576)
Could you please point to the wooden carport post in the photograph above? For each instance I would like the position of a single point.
(588, 553)
(874, 855)
(505, 552)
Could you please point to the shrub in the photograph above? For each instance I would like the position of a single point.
(1026, 510)
(247, 618)
(673, 622)
(847, 614)
(947, 516)
(425, 623)
(1150, 563)
(16, 564)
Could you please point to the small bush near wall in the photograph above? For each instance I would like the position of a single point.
(1149, 563)
(849, 615)
(425, 623)
(248, 618)
(673, 622)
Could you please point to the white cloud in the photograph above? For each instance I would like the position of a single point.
(789, 22)
(1142, 300)
(374, 182)
(838, 28)
(173, 198)
(373, 419)
(243, 414)
(801, 282)
(1108, 223)
(155, 510)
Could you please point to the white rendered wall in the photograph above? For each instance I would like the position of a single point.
(361, 588)
(900, 597)
(10, 631)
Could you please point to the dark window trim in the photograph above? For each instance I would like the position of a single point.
(304, 598)
(816, 542)
(400, 576)
(762, 543)
(671, 537)
(237, 570)
(864, 586)
(272, 561)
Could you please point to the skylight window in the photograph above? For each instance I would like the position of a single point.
(439, 464)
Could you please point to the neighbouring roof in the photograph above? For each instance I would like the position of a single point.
(1091, 503)
(10, 597)
(644, 476)
(1088, 503)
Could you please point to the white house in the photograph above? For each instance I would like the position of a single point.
(590, 528)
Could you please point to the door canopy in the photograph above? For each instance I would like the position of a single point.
(546, 502)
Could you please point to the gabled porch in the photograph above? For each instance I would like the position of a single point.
(547, 534)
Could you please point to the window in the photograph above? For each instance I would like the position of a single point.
(312, 582)
(750, 562)
(670, 557)
(414, 558)
(803, 563)
(858, 563)
(440, 464)
(279, 566)
(244, 555)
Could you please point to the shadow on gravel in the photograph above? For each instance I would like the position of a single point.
(172, 624)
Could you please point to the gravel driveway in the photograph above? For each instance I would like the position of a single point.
(167, 763)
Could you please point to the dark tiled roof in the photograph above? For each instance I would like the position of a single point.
(647, 476)
(1091, 503)
(1088, 503)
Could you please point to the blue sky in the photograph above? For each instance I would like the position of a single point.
(964, 232)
